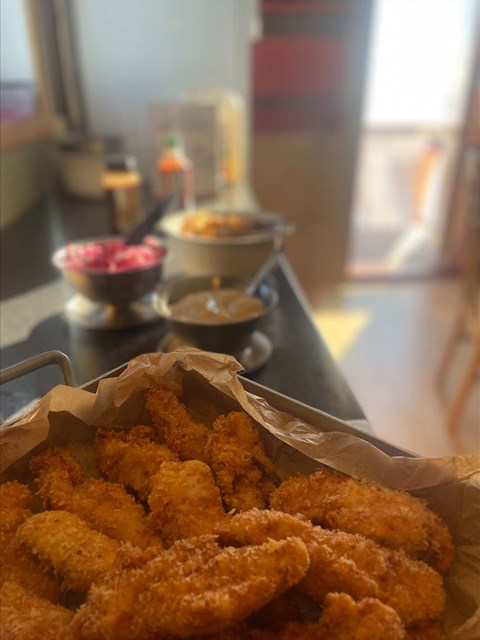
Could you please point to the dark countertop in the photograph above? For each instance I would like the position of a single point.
(301, 365)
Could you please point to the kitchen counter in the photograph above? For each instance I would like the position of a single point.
(32, 320)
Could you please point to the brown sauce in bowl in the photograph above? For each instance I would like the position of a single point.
(217, 306)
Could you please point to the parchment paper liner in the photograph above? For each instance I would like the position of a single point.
(451, 485)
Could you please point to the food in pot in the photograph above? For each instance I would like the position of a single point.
(111, 256)
(220, 225)
(217, 306)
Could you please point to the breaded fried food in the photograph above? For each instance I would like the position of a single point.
(131, 457)
(392, 518)
(14, 500)
(242, 470)
(368, 619)
(258, 525)
(342, 619)
(175, 426)
(194, 588)
(105, 506)
(24, 616)
(69, 546)
(409, 586)
(328, 571)
(347, 563)
(16, 565)
(185, 502)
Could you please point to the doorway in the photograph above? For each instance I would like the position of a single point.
(419, 71)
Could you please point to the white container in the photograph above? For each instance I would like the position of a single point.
(239, 256)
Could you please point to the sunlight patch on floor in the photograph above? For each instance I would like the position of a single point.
(341, 328)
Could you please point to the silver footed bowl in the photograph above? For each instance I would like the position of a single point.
(116, 283)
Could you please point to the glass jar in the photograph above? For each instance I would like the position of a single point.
(121, 184)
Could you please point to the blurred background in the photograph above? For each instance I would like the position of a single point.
(357, 119)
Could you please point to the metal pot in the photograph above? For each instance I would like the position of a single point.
(237, 256)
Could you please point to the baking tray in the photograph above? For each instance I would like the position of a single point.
(462, 582)
(322, 421)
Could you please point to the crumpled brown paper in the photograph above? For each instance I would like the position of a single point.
(451, 485)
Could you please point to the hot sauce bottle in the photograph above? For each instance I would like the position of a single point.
(174, 175)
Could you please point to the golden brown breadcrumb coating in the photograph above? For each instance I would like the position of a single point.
(392, 572)
(242, 470)
(193, 588)
(17, 565)
(14, 500)
(368, 619)
(185, 502)
(347, 563)
(104, 506)
(392, 518)
(189, 539)
(24, 616)
(342, 619)
(258, 525)
(175, 426)
(69, 546)
(131, 457)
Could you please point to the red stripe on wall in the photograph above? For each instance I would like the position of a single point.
(297, 65)
(296, 118)
(306, 6)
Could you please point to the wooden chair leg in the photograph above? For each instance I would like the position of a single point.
(468, 380)
(456, 334)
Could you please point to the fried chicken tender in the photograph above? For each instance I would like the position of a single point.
(328, 570)
(14, 500)
(131, 457)
(342, 619)
(105, 506)
(175, 426)
(16, 565)
(24, 616)
(409, 586)
(242, 470)
(66, 543)
(258, 525)
(368, 619)
(347, 563)
(185, 502)
(392, 518)
(193, 588)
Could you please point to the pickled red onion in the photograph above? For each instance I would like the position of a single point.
(111, 256)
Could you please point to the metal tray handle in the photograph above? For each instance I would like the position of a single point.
(37, 362)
